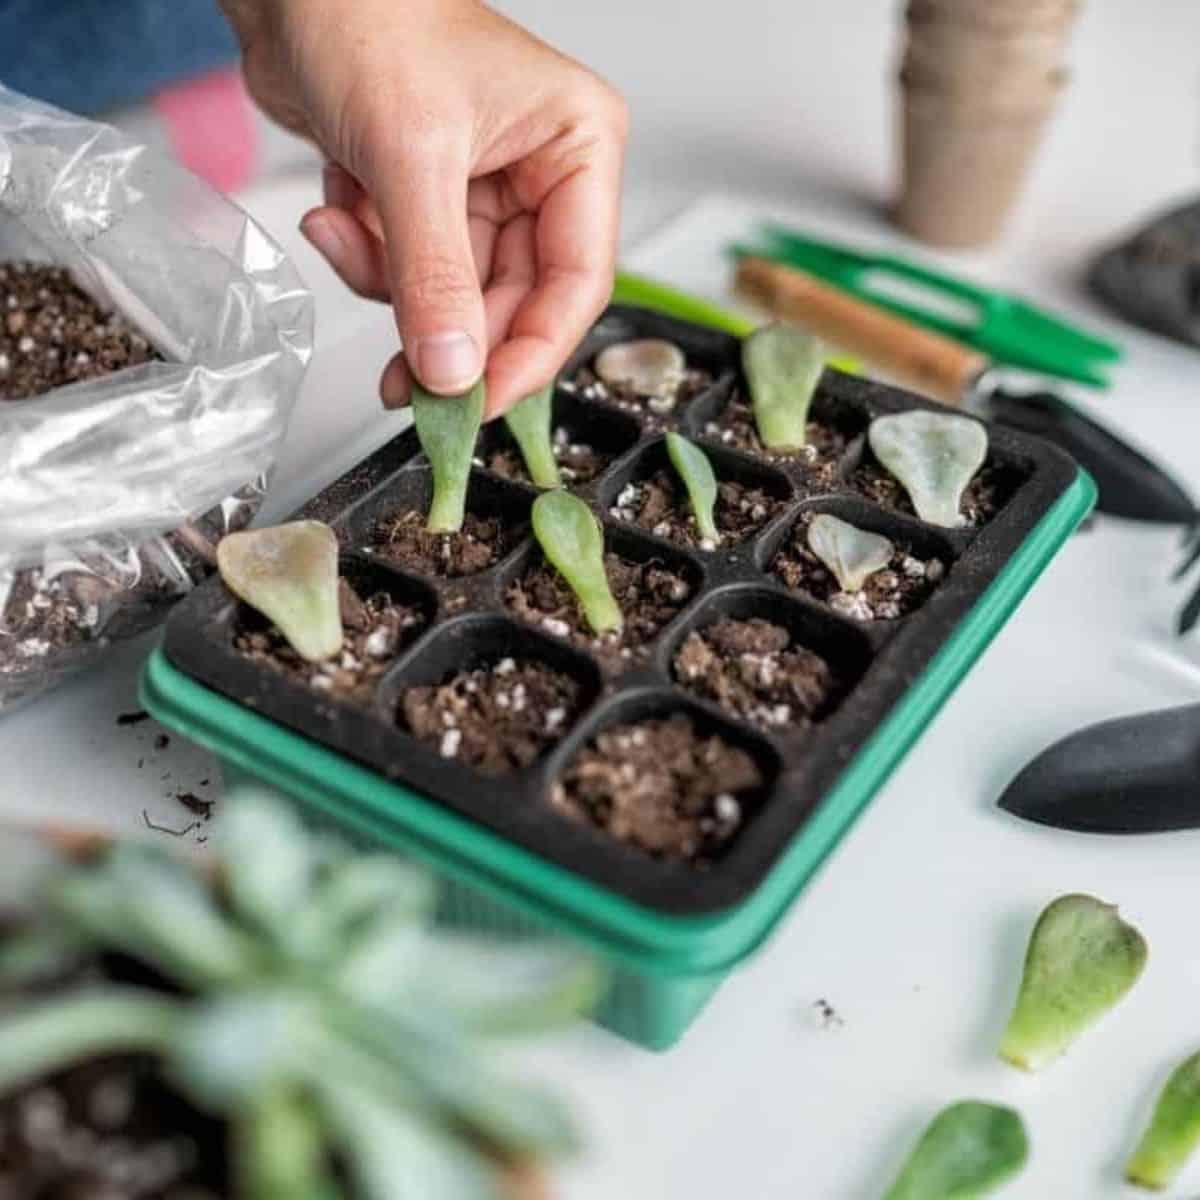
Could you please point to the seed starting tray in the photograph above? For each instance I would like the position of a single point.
(502, 832)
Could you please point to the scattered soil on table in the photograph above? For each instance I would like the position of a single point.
(660, 506)
(648, 594)
(899, 589)
(108, 1130)
(652, 411)
(754, 671)
(985, 496)
(662, 787)
(481, 543)
(375, 630)
(497, 719)
(577, 461)
(734, 427)
(52, 333)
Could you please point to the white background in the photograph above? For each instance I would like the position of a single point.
(915, 931)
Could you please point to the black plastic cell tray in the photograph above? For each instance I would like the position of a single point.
(469, 624)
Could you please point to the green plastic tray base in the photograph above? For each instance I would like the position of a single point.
(663, 968)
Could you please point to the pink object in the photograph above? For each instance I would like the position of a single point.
(210, 124)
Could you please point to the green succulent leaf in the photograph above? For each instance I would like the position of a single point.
(37, 954)
(394, 1153)
(935, 455)
(1174, 1130)
(281, 1149)
(530, 424)
(1082, 959)
(289, 573)
(143, 903)
(783, 366)
(89, 1023)
(447, 427)
(573, 542)
(852, 554)
(968, 1151)
(700, 480)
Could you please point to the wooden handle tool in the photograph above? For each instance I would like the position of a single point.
(925, 361)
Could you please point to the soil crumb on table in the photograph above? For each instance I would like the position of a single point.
(734, 427)
(984, 497)
(652, 411)
(661, 787)
(660, 505)
(754, 671)
(52, 333)
(497, 719)
(108, 1130)
(480, 544)
(899, 589)
(578, 462)
(648, 595)
(374, 631)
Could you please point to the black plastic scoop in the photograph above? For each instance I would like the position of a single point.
(1130, 484)
(1132, 775)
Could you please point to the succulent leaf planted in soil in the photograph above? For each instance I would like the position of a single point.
(969, 1150)
(783, 366)
(447, 427)
(700, 480)
(853, 555)
(1082, 960)
(315, 1013)
(1174, 1130)
(530, 424)
(289, 573)
(647, 366)
(573, 542)
(934, 455)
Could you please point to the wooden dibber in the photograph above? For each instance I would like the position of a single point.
(927, 362)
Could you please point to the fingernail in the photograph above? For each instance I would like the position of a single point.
(394, 386)
(448, 362)
(321, 233)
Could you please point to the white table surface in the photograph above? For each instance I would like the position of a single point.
(915, 929)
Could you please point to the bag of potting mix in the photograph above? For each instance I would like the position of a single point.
(152, 341)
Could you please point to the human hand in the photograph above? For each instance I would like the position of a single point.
(474, 178)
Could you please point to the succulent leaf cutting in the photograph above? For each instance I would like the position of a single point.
(700, 481)
(648, 366)
(573, 542)
(783, 366)
(853, 555)
(289, 573)
(447, 427)
(530, 424)
(934, 455)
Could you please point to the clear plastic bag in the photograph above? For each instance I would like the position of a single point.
(113, 491)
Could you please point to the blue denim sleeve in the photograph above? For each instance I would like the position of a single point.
(91, 55)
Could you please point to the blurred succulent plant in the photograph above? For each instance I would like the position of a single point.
(315, 1012)
(934, 455)
(573, 542)
(783, 366)
(447, 427)
(529, 422)
(289, 573)
(693, 467)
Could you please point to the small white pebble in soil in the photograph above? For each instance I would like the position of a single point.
(82, 359)
(348, 661)
(322, 683)
(638, 737)
(378, 643)
(889, 610)
(707, 544)
(627, 495)
(448, 719)
(567, 386)
(476, 461)
(26, 345)
(33, 648)
(91, 616)
(4, 363)
(518, 698)
(934, 570)
(727, 809)
(451, 740)
(914, 568)
(502, 700)
(661, 529)
(660, 404)
(679, 590)
(506, 666)
(852, 604)
(554, 718)
(781, 714)
(555, 627)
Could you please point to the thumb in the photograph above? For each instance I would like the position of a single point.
(435, 288)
